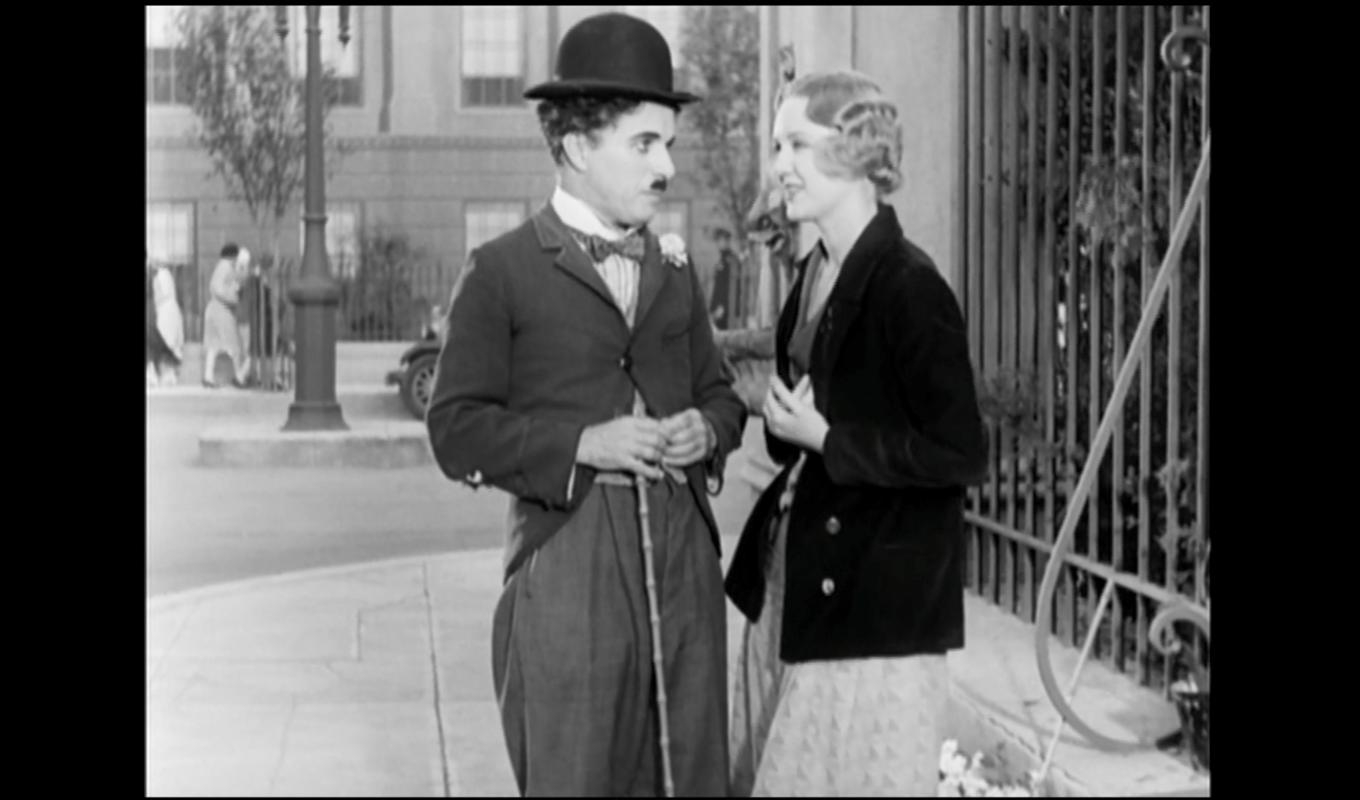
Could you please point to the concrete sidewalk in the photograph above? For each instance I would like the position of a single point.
(375, 680)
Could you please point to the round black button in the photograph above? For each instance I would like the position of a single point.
(626, 362)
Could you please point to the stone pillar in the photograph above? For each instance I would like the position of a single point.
(913, 53)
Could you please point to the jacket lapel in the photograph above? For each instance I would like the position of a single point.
(652, 277)
(847, 295)
(571, 259)
(788, 320)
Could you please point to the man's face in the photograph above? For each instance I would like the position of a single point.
(628, 166)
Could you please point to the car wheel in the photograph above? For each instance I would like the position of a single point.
(417, 385)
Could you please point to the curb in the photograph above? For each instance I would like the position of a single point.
(166, 602)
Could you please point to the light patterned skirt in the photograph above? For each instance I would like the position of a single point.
(219, 331)
(852, 727)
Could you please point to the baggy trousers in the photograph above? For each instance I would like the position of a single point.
(572, 653)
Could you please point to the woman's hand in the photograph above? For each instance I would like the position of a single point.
(791, 415)
(751, 382)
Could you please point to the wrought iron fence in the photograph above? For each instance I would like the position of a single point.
(1080, 145)
(380, 301)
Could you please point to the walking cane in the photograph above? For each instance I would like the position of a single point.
(655, 616)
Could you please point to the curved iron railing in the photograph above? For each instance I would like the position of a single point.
(1174, 610)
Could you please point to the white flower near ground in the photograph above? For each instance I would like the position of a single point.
(961, 776)
(949, 758)
(673, 249)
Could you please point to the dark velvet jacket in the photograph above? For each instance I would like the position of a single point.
(875, 550)
(537, 349)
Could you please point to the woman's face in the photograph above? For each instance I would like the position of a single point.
(810, 193)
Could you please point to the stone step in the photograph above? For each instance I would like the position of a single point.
(356, 402)
(372, 444)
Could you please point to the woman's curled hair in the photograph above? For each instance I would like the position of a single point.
(868, 139)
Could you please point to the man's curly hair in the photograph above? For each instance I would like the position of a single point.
(868, 141)
(581, 114)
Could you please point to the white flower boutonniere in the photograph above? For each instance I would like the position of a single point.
(673, 250)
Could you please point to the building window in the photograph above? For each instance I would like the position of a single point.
(341, 60)
(170, 233)
(493, 56)
(343, 221)
(485, 220)
(166, 60)
(667, 19)
(170, 241)
(672, 217)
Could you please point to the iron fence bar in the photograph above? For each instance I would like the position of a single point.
(1165, 275)
(975, 35)
(1171, 525)
(1010, 284)
(1046, 274)
(1202, 429)
(1149, 80)
(1094, 297)
(1147, 589)
(1072, 328)
(1030, 307)
(992, 260)
(1117, 471)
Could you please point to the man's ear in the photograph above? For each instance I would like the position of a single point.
(575, 146)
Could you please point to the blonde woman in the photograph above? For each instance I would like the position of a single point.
(850, 568)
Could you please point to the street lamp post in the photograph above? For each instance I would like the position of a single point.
(315, 296)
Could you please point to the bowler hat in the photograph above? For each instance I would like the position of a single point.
(613, 55)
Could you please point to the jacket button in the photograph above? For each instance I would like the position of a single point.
(828, 586)
(833, 526)
(625, 362)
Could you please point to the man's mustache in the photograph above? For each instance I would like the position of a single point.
(659, 185)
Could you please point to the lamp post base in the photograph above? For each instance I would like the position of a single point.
(315, 416)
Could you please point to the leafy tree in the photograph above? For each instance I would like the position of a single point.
(721, 53)
(250, 109)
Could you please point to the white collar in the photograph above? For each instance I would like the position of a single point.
(579, 216)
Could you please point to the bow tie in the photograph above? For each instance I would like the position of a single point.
(631, 246)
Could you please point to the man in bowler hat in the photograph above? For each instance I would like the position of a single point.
(579, 356)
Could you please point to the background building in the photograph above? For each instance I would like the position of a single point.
(440, 144)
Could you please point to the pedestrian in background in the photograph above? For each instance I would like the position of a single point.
(169, 324)
(220, 334)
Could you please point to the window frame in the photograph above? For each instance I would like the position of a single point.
(192, 204)
(677, 55)
(520, 102)
(332, 206)
(190, 284)
(297, 53)
(468, 206)
(176, 53)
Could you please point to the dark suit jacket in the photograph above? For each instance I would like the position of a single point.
(537, 350)
(875, 549)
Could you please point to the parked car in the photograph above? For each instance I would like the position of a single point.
(415, 376)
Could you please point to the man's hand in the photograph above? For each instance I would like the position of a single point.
(689, 439)
(633, 444)
(793, 416)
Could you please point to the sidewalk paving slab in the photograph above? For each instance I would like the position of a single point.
(376, 680)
